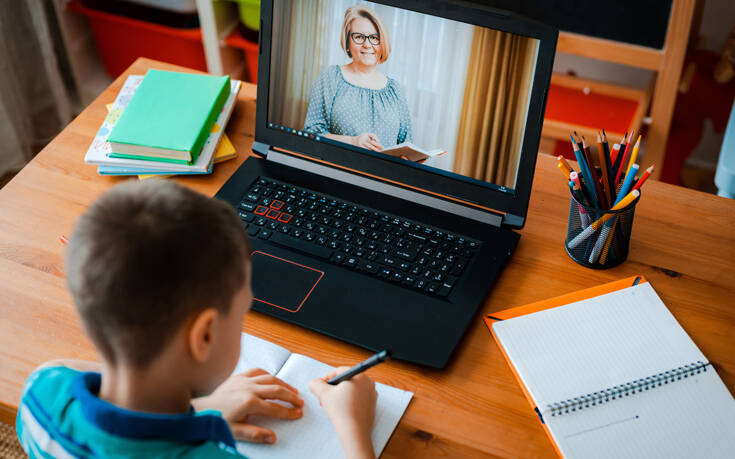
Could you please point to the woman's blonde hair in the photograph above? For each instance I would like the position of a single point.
(359, 11)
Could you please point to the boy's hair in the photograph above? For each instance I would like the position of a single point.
(144, 258)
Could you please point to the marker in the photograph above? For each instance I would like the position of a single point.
(370, 362)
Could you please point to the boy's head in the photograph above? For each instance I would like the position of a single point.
(152, 262)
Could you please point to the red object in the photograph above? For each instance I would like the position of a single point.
(121, 40)
(249, 49)
(276, 204)
(63, 239)
(593, 110)
(643, 178)
(273, 214)
(285, 218)
(626, 156)
(261, 210)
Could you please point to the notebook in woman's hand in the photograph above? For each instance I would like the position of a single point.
(313, 435)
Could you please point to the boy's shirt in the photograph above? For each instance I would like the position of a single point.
(60, 415)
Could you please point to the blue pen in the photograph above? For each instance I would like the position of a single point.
(587, 175)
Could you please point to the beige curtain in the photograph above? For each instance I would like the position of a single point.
(297, 59)
(495, 106)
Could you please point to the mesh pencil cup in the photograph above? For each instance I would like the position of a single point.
(599, 238)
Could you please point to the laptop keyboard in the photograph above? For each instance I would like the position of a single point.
(385, 246)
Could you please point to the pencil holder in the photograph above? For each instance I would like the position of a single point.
(599, 238)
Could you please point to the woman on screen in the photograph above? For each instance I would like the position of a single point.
(355, 103)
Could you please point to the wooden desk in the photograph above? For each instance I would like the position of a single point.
(683, 242)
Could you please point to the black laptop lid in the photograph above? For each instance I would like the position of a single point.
(462, 87)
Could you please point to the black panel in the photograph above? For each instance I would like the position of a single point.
(639, 22)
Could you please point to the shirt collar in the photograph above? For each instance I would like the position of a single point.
(181, 428)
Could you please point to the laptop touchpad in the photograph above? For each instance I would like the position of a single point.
(282, 283)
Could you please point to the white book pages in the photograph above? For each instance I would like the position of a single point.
(595, 344)
(313, 434)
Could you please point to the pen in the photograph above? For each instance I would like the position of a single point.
(371, 361)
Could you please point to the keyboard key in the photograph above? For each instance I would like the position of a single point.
(273, 214)
(350, 262)
(458, 267)
(265, 234)
(272, 226)
(392, 262)
(473, 244)
(438, 277)
(420, 284)
(261, 221)
(285, 218)
(396, 277)
(252, 197)
(338, 257)
(253, 230)
(261, 210)
(334, 245)
(302, 246)
(284, 229)
(321, 240)
(368, 267)
(432, 288)
(404, 266)
(408, 279)
(247, 206)
(266, 201)
(384, 273)
(276, 204)
(416, 237)
(246, 216)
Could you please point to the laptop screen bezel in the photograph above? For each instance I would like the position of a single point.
(513, 203)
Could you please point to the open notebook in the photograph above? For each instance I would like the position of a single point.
(313, 434)
(617, 376)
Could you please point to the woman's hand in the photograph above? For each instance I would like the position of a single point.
(350, 405)
(247, 394)
(367, 140)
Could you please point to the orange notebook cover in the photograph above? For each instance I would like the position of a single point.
(562, 300)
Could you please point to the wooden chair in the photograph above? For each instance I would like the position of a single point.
(629, 105)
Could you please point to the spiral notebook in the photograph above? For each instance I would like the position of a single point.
(615, 375)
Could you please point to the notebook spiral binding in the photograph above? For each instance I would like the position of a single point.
(624, 390)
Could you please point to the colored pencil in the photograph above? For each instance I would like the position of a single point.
(619, 157)
(634, 155)
(593, 174)
(584, 170)
(619, 171)
(643, 178)
(604, 164)
(564, 166)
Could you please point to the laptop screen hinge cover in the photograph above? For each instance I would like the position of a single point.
(482, 216)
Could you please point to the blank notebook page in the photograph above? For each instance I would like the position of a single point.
(595, 344)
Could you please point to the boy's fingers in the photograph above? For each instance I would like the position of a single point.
(276, 410)
(270, 379)
(252, 434)
(250, 372)
(276, 392)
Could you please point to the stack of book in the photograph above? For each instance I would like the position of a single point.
(166, 123)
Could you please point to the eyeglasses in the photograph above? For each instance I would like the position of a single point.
(359, 38)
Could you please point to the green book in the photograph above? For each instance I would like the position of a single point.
(169, 117)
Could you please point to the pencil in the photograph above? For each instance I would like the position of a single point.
(585, 175)
(564, 166)
(624, 159)
(643, 177)
(593, 174)
(619, 158)
(634, 155)
(604, 164)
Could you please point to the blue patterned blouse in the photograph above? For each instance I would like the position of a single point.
(339, 107)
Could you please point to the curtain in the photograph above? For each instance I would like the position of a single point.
(495, 106)
(34, 81)
(301, 29)
(429, 59)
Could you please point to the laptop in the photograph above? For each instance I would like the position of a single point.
(396, 147)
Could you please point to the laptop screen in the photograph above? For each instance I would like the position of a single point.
(404, 86)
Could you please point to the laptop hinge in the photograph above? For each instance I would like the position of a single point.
(486, 217)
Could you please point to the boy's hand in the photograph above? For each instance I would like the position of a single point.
(350, 405)
(246, 394)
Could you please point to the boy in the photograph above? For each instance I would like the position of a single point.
(160, 277)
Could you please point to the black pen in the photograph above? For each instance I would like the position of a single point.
(371, 361)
